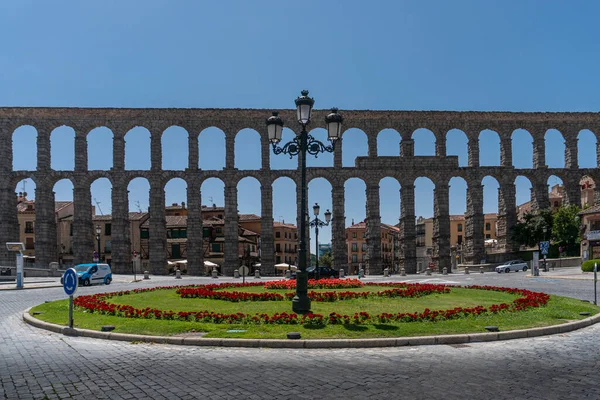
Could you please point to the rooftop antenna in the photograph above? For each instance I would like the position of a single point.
(24, 185)
(210, 199)
(137, 204)
(98, 205)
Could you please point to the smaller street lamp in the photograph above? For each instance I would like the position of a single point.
(98, 231)
(316, 223)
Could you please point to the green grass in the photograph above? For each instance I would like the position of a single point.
(558, 310)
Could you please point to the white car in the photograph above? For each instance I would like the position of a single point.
(515, 265)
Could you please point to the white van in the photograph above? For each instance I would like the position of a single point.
(94, 273)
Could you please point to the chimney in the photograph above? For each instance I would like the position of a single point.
(174, 204)
(183, 204)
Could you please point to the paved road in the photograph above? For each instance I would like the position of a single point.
(36, 364)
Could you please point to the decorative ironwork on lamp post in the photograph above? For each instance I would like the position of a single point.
(317, 223)
(302, 144)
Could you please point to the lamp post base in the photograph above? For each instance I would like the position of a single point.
(301, 301)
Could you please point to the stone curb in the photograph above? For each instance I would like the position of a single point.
(318, 343)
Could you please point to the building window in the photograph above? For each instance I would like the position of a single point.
(216, 247)
(459, 239)
(460, 227)
(29, 227)
(107, 229)
(488, 236)
(29, 243)
(183, 233)
(487, 226)
(354, 258)
(285, 247)
(353, 235)
(364, 247)
(205, 232)
(556, 204)
(278, 234)
(219, 230)
(71, 230)
(364, 234)
(107, 246)
(277, 247)
(364, 257)
(144, 234)
(354, 246)
(296, 235)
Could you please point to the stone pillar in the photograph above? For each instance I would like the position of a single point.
(539, 152)
(337, 154)
(440, 143)
(45, 226)
(267, 241)
(571, 161)
(230, 151)
(157, 243)
(156, 151)
(43, 150)
(192, 156)
(372, 143)
(473, 150)
(195, 243)
(507, 216)
(81, 152)
(598, 153)
(407, 148)
(9, 223)
(118, 152)
(265, 154)
(474, 223)
(338, 228)
(120, 235)
(232, 260)
(539, 196)
(373, 220)
(441, 227)
(506, 151)
(408, 228)
(83, 227)
(572, 193)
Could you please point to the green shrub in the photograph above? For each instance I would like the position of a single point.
(588, 266)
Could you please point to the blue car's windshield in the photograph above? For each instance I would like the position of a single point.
(81, 268)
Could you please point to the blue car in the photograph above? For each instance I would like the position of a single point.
(90, 274)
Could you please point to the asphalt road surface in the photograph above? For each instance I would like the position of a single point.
(36, 364)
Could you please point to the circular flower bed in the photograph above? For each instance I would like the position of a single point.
(97, 303)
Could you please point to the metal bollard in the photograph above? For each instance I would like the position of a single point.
(215, 274)
(341, 274)
(466, 270)
(177, 274)
(146, 275)
(428, 271)
(481, 270)
(386, 272)
(236, 273)
(402, 271)
(288, 274)
(361, 273)
(257, 274)
(444, 271)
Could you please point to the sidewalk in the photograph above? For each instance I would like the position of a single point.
(564, 273)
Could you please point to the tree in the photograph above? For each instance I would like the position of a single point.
(534, 228)
(565, 228)
(326, 260)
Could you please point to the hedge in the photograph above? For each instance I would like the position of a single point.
(588, 266)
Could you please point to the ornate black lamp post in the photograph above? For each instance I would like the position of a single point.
(98, 231)
(300, 145)
(317, 223)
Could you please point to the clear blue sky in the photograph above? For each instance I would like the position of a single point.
(420, 55)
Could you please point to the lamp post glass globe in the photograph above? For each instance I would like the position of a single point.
(316, 208)
(304, 105)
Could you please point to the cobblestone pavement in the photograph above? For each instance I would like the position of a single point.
(37, 364)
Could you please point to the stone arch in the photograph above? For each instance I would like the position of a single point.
(100, 193)
(62, 148)
(355, 143)
(489, 148)
(388, 142)
(457, 144)
(389, 200)
(319, 191)
(249, 195)
(590, 194)
(175, 148)
(458, 195)
(211, 149)
(523, 189)
(555, 191)
(491, 188)
(24, 148)
(100, 148)
(555, 148)
(424, 142)
(522, 148)
(285, 211)
(213, 193)
(424, 187)
(137, 149)
(283, 161)
(247, 150)
(587, 144)
(355, 200)
(137, 186)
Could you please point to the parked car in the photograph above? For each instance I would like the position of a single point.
(324, 273)
(95, 273)
(515, 265)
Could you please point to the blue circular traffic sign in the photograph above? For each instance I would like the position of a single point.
(70, 281)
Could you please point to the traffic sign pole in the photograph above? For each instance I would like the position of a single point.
(71, 311)
(70, 283)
